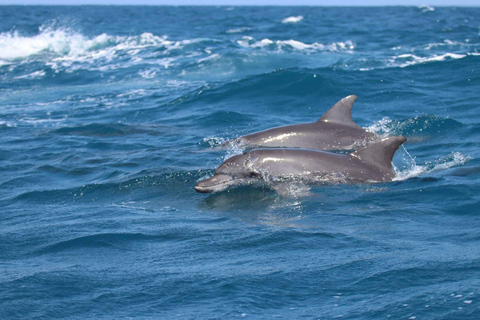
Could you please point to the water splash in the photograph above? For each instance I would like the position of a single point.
(424, 125)
(233, 149)
(411, 169)
(213, 141)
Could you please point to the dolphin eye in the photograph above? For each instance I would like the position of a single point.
(255, 174)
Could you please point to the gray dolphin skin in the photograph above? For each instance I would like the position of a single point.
(335, 130)
(372, 163)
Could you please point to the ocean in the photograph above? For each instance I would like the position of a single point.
(109, 116)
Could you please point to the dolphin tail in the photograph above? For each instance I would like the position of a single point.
(341, 112)
(380, 153)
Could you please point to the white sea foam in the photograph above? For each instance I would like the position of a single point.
(280, 45)
(292, 19)
(298, 45)
(446, 50)
(238, 30)
(409, 59)
(446, 42)
(148, 74)
(405, 60)
(248, 42)
(45, 122)
(7, 124)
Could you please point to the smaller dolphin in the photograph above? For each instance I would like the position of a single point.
(372, 163)
(335, 130)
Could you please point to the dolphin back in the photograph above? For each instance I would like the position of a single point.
(380, 153)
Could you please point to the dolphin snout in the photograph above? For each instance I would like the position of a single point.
(214, 184)
(202, 188)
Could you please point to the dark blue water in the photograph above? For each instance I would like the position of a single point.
(109, 116)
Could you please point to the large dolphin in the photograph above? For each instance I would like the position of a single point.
(334, 131)
(372, 163)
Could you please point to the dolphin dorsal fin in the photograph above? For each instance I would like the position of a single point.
(380, 153)
(341, 112)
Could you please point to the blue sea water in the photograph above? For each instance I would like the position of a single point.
(109, 116)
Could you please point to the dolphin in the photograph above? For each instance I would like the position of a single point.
(372, 163)
(335, 130)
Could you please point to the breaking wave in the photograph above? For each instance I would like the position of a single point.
(63, 48)
(66, 44)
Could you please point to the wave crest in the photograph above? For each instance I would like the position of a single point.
(280, 45)
(405, 60)
(51, 43)
(63, 47)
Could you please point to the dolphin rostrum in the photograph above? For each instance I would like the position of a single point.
(335, 130)
(372, 163)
